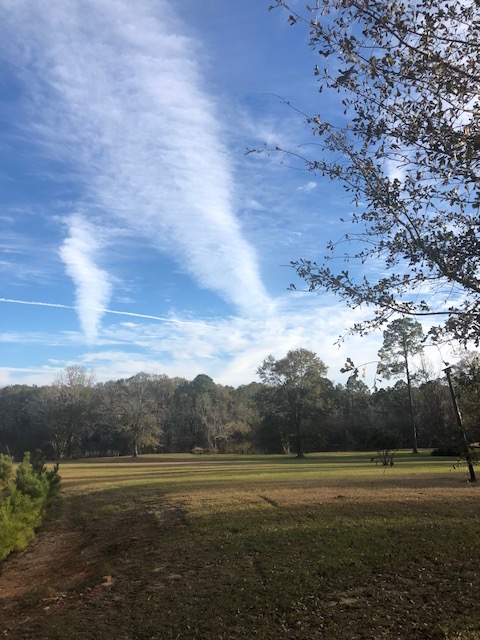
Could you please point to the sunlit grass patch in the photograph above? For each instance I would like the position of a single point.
(176, 470)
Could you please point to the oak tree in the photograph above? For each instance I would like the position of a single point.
(299, 388)
(407, 149)
(134, 409)
(65, 410)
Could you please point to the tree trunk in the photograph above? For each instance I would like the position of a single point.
(300, 453)
(69, 446)
(135, 448)
(410, 402)
(458, 415)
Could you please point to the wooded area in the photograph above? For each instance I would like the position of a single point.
(295, 409)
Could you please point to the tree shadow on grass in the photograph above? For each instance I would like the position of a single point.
(136, 561)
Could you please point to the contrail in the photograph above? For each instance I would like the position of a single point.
(119, 313)
(39, 304)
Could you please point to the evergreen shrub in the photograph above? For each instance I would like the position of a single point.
(6, 467)
(24, 501)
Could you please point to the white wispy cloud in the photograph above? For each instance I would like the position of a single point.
(93, 287)
(118, 96)
(229, 349)
(27, 375)
(309, 186)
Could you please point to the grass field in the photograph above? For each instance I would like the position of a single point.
(255, 547)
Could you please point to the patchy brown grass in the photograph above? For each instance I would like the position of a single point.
(231, 548)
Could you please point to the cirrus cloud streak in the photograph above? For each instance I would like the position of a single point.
(117, 96)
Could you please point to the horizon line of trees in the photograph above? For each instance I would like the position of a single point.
(294, 409)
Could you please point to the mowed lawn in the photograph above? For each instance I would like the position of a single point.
(265, 547)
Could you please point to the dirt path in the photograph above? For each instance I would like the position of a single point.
(74, 561)
(50, 560)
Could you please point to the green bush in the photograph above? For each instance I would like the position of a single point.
(6, 466)
(20, 515)
(24, 505)
(385, 442)
(383, 439)
(30, 482)
(52, 477)
(445, 450)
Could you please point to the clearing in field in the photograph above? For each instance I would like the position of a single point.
(224, 547)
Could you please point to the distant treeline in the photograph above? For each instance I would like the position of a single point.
(77, 417)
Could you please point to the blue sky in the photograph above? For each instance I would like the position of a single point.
(136, 234)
